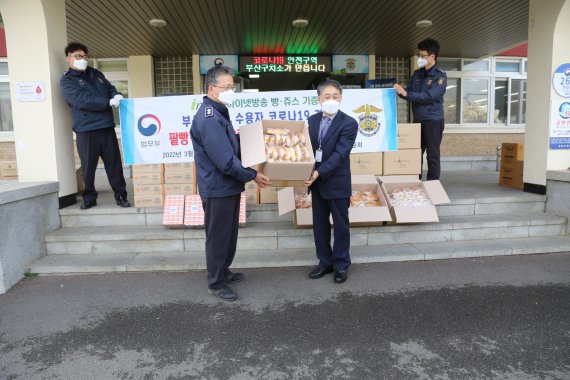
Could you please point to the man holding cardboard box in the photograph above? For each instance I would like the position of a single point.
(332, 135)
(221, 178)
(425, 90)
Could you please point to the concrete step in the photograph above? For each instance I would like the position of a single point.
(282, 235)
(183, 261)
(112, 215)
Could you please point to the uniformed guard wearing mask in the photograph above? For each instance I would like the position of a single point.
(221, 178)
(425, 91)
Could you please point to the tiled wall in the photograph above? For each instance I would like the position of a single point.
(173, 76)
(398, 68)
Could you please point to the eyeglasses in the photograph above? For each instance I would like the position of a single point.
(79, 56)
(228, 87)
(425, 55)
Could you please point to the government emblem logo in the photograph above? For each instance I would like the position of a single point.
(368, 124)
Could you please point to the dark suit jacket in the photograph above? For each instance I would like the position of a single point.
(334, 169)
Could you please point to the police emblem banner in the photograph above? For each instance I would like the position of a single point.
(157, 130)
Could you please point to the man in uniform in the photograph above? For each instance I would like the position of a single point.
(425, 90)
(90, 97)
(332, 135)
(221, 178)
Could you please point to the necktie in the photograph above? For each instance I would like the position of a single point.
(325, 124)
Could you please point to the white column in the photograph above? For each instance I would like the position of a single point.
(36, 37)
(547, 49)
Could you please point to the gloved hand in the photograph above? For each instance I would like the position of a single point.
(116, 100)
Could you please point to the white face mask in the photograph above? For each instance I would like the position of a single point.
(80, 64)
(227, 97)
(330, 107)
(422, 62)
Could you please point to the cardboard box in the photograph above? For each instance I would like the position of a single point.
(253, 150)
(148, 168)
(178, 177)
(409, 136)
(406, 161)
(173, 214)
(148, 178)
(179, 189)
(179, 167)
(513, 150)
(414, 214)
(357, 216)
(268, 195)
(194, 213)
(366, 163)
(512, 176)
(149, 200)
(302, 217)
(147, 189)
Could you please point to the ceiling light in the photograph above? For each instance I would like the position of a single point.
(300, 22)
(250, 90)
(254, 76)
(424, 23)
(157, 23)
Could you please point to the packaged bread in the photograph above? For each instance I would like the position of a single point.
(409, 196)
(303, 200)
(283, 146)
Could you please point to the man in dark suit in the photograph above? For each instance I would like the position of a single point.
(332, 135)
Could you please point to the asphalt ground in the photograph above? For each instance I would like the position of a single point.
(481, 318)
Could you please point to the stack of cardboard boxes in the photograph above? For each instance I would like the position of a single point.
(179, 178)
(148, 185)
(512, 163)
(407, 159)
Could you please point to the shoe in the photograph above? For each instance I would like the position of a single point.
(87, 205)
(234, 277)
(319, 272)
(123, 202)
(225, 294)
(340, 276)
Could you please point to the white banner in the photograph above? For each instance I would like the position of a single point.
(157, 130)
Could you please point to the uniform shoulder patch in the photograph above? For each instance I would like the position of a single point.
(209, 111)
(440, 80)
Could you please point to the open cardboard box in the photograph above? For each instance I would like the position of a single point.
(357, 216)
(253, 150)
(414, 214)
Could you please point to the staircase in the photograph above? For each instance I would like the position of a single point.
(482, 220)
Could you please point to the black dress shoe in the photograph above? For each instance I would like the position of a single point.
(87, 205)
(123, 202)
(225, 294)
(234, 277)
(340, 276)
(319, 272)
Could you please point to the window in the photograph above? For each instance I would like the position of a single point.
(518, 101)
(475, 101)
(491, 92)
(451, 101)
(501, 101)
(6, 124)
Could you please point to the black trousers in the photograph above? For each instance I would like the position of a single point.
(432, 133)
(100, 143)
(337, 256)
(221, 218)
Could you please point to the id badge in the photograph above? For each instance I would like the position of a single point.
(318, 155)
